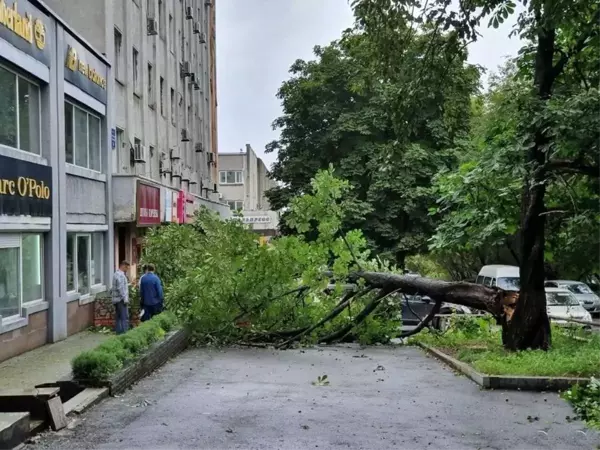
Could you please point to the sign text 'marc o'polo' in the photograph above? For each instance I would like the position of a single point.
(84, 69)
(27, 28)
(148, 205)
(25, 188)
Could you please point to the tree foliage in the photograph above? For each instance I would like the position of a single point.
(383, 132)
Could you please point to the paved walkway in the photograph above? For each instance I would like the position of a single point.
(46, 364)
(379, 398)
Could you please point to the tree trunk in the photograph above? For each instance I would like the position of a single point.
(529, 326)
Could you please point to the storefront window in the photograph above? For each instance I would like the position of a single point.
(32, 247)
(83, 264)
(82, 138)
(70, 262)
(21, 272)
(19, 112)
(10, 295)
(97, 257)
(84, 261)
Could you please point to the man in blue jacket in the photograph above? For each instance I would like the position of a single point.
(151, 294)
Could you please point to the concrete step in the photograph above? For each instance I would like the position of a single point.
(84, 400)
(14, 429)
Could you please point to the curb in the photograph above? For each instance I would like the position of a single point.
(507, 382)
(84, 401)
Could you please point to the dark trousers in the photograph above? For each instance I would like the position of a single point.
(121, 317)
(151, 311)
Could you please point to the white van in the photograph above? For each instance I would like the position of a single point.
(505, 277)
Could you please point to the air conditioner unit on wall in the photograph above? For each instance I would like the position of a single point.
(199, 147)
(202, 38)
(174, 154)
(196, 86)
(184, 69)
(176, 170)
(192, 78)
(184, 135)
(139, 153)
(211, 158)
(188, 13)
(152, 26)
(196, 28)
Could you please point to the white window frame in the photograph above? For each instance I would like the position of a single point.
(17, 110)
(93, 284)
(18, 244)
(118, 56)
(238, 205)
(89, 113)
(239, 178)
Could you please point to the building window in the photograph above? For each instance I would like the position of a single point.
(83, 138)
(19, 112)
(120, 138)
(236, 205)
(136, 70)
(162, 96)
(161, 19)
(173, 106)
(21, 272)
(172, 34)
(230, 177)
(119, 56)
(151, 101)
(84, 261)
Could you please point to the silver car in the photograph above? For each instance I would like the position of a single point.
(581, 291)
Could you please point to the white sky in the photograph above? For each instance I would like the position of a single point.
(258, 40)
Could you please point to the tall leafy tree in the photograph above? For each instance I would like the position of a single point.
(559, 72)
(384, 133)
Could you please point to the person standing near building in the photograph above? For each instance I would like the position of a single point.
(120, 297)
(151, 294)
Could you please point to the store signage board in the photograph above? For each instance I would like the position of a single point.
(85, 70)
(148, 205)
(25, 188)
(26, 28)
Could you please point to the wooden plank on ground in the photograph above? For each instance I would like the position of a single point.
(58, 419)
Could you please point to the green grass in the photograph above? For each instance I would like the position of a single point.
(478, 343)
(100, 363)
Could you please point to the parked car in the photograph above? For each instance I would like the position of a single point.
(417, 307)
(505, 277)
(561, 303)
(581, 291)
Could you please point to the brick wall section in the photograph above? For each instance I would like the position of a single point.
(156, 356)
(21, 340)
(104, 313)
(79, 317)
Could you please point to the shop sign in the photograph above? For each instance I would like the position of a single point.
(85, 70)
(257, 219)
(25, 27)
(148, 205)
(25, 188)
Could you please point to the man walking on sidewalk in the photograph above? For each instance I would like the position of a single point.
(120, 298)
(151, 294)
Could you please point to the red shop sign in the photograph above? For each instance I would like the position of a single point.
(148, 205)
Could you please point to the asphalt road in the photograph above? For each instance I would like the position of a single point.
(379, 398)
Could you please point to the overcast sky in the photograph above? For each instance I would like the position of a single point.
(258, 40)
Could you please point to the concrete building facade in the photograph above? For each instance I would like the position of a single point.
(243, 181)
(55, 177)
(163, 133)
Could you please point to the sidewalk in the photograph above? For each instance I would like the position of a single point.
(46, 364)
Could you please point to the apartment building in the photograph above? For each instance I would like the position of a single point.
(243, 180)
(163, 135)
(55, 177)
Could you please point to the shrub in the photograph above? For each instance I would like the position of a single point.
(112, 354)
(586, 401)
(95, 365)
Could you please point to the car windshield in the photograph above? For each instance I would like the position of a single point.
(579, 289)
(509, 283)
(560, 299)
